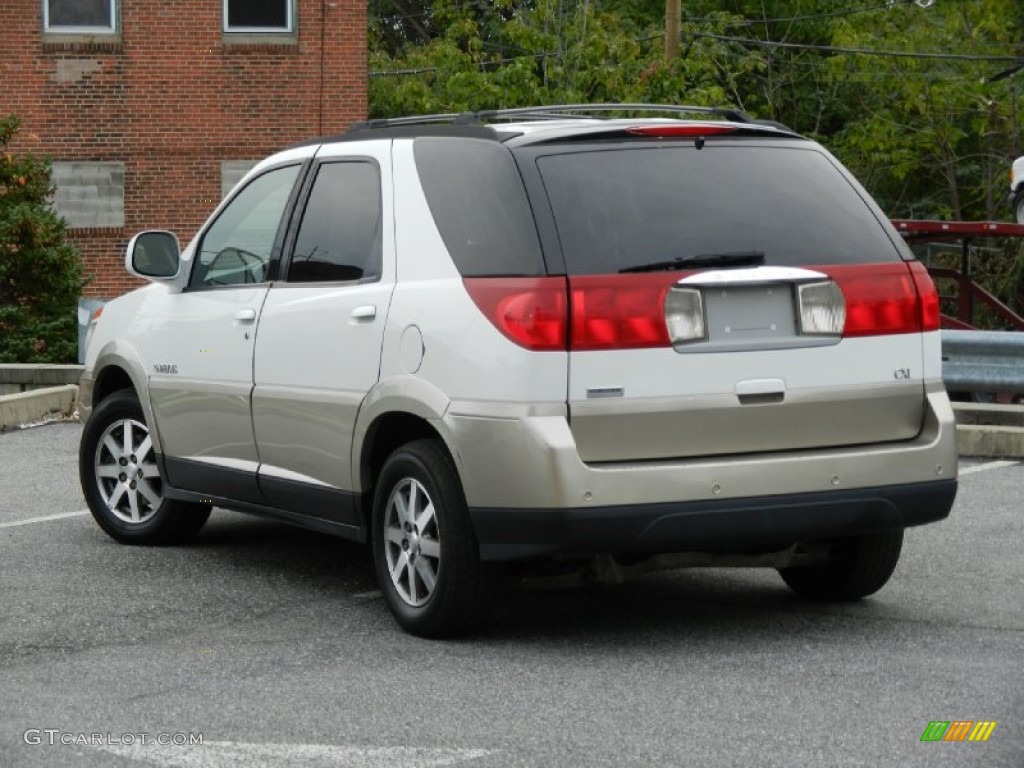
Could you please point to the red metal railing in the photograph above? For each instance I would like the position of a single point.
(968, 293)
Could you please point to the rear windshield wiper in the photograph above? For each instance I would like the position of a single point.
(732, 259)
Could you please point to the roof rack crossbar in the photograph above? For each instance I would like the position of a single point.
(551, 112)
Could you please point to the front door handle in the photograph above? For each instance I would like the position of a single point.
(246, 315)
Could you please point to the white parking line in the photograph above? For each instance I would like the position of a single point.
(987, 466)
(44, 518)
(228, 754)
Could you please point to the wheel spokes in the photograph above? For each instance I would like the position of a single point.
(430, 548)
(115, 450)
(425, 518)
(126, 429)
(126, 474)
(151, 496)
(115, 495)
(133, 505)
(426, 573)
(144, 448)
(412, 547)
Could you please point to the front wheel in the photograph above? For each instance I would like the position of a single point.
(425, 552)
(854, 568)
(121, 480)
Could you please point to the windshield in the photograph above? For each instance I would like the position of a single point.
(625, 208)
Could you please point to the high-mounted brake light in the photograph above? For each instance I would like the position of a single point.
(680, 131)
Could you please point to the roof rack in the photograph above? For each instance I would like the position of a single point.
(551, 112)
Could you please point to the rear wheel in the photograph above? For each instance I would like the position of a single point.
(121, 480)
(1018, 207)
(425, 552)
(855, 567)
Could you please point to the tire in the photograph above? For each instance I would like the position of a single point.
(856, 567)
(425, 552)
(1018, 207)
(121, 480)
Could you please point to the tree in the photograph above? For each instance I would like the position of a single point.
(40, 272)
(486, 55)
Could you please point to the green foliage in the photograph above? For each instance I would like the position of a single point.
(928, 137)
(507, 54)
(40, 273)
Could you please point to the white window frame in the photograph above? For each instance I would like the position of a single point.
(288, 29)
(65, 29)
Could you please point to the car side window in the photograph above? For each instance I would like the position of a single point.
(340, 236)
(236, 249)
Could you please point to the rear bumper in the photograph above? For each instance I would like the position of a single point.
(717, 525)
(530, 494)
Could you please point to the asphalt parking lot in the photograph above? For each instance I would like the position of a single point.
(273, 646)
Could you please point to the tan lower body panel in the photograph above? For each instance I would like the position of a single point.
(712, 425)
(533, 462)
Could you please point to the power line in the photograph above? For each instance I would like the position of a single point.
(856, 51)
(811, 17)
(730, 39)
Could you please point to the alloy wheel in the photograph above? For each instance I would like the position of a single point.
(126, 471)
(412, 543)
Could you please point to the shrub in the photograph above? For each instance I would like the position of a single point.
(40, 272)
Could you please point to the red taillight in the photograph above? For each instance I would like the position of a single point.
(620, 311)
(928, 294)
(883, 299)
(628, 311)
(607, 311)
(531, 311)
(680, 131)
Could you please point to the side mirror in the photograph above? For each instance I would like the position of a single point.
(154, 255)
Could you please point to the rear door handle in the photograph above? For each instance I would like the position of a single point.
(364, 313)
(245, 315)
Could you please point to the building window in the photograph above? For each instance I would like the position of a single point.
(91, 17)
(258, 16)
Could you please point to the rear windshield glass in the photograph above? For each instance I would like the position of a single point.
(628, 207)
(478, 202)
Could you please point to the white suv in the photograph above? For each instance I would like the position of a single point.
(531, 335)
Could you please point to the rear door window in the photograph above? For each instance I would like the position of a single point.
(340, 235)
(622, 208)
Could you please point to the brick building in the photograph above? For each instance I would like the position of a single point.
(151, 109)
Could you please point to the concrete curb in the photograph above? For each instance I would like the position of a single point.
(990, 431)
(37, 404)
(23, 377)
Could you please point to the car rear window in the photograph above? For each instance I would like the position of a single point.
(626, 207)
(478, 202)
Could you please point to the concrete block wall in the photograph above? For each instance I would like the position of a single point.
(89, 195)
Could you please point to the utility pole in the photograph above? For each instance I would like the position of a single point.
(673, 17)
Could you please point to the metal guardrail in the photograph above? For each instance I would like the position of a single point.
(983, 361)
